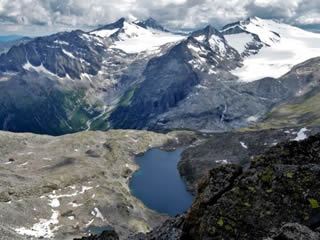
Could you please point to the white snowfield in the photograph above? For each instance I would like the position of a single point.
(239, 41)
(135, 39)
(288, 46)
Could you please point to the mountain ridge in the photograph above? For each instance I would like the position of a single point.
(108, 68)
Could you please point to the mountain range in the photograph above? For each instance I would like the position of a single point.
(139, 75)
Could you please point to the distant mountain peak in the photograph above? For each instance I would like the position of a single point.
(118, 24)
(123, 24)
(151, 23)
(207, 32)
(267, 31)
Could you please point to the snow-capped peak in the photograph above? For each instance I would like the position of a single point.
(271, 47)
(109, 29)
(266, 30)
(211, 37)
(129, 26)
(136, 36)
(151, 23)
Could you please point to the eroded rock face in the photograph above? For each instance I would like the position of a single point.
(281, 186)
(57, 187)
(293, 231)
(233, 148)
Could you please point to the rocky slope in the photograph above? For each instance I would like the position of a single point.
(63, 82)
(280, 188)
(208, 92)
(62, 187)
(6, 44)
(302, 109)
(233, 148)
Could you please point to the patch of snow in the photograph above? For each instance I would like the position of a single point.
(252, 119)
(42, 229)
(69, 54)
(210, 72)
(84, 189)
(75, 205)
(200, 38)
(23, 164)
(244, 145)
(61, 42)
(29, 67)
(54, 203)
(71, 218)
(90, 222)
(301, 135)
(222, 161)
(194, 48)
(201, 86)
(99, 214)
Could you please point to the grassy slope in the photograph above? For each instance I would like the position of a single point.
(301, 111)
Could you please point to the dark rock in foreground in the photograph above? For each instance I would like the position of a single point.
(281, 187)
(106, 235)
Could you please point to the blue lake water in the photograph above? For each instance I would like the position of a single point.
(158, 183)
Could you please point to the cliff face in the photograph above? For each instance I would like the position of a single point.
(278, 197)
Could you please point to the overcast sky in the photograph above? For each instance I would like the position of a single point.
(38, 17)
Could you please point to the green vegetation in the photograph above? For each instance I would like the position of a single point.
(220, 222)
(314, 203)
(289, 175)
(74, 113)
(267, 176)
(126, 98)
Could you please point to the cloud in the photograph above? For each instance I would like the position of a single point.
(53, 15)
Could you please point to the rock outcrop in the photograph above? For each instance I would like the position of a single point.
(293, 231)
(233, 148)
(106, 235)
